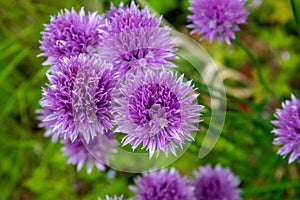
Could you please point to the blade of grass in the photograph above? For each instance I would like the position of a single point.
(257, 64)
(13, 63)
(270, 188)
(296, 16)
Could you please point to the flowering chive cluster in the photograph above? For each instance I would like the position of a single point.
(208, 183)
(113, 71)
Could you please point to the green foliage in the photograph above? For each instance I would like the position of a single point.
(34, 168)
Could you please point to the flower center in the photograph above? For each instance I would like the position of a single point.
(158, 116)
(154, 105)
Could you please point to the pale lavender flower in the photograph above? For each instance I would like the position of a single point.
(155, 109)
(217, 19)
(95, 153)
(162, 185)
(78, 99)
(215, 184)
(287, 131)
(69, 34)
(134, 38)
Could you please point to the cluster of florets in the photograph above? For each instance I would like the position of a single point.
(208, 183)
(113, 73)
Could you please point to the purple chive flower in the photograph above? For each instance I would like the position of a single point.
(140, 48)
(135, 39)
(215, 183)
(155, 109)
(96, 153)
(287, 131)
(78, 99)
(217, 19)
(124, 19)
(69, 34)
(162, 185)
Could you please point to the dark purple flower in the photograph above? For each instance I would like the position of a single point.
(217, 19)
(162, 185)
(287, 131)
(95, 153)
(78, 99)
(69, 34)
(155, 109)
(134, 38)
(215, 184)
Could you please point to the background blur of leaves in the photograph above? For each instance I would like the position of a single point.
(31, 167)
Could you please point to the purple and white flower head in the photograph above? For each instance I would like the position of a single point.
(287, 131)
(156, 109)
(217, 19)
(162, 185)
(134, 38)
(78, 99)
(215, 183)
(69, 34)
(139, 48)
(96, 153)
(126, 18)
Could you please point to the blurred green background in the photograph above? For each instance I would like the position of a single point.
(32, 167)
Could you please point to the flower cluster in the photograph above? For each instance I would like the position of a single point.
(112, 73)
(208, 183)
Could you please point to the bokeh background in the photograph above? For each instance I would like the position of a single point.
(32, 167)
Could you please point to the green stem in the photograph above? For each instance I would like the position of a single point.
(257, 64)
(296, 16)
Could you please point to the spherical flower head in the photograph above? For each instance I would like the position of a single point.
(78, 99)
(139, 48)
(126, 18)
(215, 183)
(69, 34)
(134, 38)
(287, 131)
(162, 185)
(155, 109)
(98, 153)
(217, 19)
